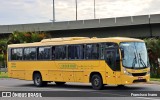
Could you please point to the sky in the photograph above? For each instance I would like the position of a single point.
(38, 11)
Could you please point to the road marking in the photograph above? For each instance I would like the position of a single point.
(30, 89)
(42, 89)
(147, 98)
(110, 93)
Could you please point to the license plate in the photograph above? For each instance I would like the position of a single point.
(140, 78)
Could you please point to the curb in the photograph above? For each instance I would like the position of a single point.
(154, 82)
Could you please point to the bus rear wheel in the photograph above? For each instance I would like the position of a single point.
(97, 82)
(60, 83)
(37, 79)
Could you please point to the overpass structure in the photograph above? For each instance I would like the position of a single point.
(131, 26)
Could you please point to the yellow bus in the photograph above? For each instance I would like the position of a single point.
(99, 61)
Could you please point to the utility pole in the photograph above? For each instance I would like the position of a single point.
(150, 26)
(53, 12)
(94, 9)
(76, 9)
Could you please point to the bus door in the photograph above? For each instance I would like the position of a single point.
(112, 59)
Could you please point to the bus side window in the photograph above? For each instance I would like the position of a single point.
(17, 54)
(44, 53)
(88, 52)
(13, 54)
(29, 54)
(95, 51)
(53, 53)
(101, 49)
(75, 52)
(79, 52)
(32, 54)
(60, 52)
(92, 51)
(71, 52)
(111, 56)
(26, 54)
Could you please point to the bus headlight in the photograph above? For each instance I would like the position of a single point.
(126, 72)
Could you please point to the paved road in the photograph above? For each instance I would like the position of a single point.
(82, 89)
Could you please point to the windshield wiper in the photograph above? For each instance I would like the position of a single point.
(141, 61)
(134, 60)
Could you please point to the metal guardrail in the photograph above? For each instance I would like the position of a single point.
(3, 69)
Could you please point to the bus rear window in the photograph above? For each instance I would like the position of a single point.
(16, 54)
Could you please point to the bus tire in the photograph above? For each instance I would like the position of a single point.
(37, 79)
(60, 83)
(97, 82)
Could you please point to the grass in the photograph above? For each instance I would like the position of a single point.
(155, 79)
(3, 75)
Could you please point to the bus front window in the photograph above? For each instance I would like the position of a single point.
(134, 55)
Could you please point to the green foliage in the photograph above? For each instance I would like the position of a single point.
(3, 74)
(26, 37)
(3, 46)
(155, 79)
(18, 37)
(153, 46)
(36, 37)
(3, 51)
(1, 57)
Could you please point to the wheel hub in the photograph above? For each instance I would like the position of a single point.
(96, 82)
(37, 80)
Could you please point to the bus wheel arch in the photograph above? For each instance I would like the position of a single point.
(35, 72)
(38, 80)
(96, 80)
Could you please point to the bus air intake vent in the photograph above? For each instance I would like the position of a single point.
(141, 80)
(139, 74)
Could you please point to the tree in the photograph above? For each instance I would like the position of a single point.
(153, 46)
(37, 37)
(3, 51)
(26, 37)
(19, 37)
(15, 38)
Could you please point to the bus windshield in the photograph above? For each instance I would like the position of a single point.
(134, 55)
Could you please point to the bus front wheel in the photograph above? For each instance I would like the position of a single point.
(97, 82)
(37, 79)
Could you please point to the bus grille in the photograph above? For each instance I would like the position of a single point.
(137, 81)
(139, 74)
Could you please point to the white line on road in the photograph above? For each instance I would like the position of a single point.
(40, 88)
(147, 98)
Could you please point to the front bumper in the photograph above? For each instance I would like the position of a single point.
(135, 79)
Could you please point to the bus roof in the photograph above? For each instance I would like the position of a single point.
(75, 40)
